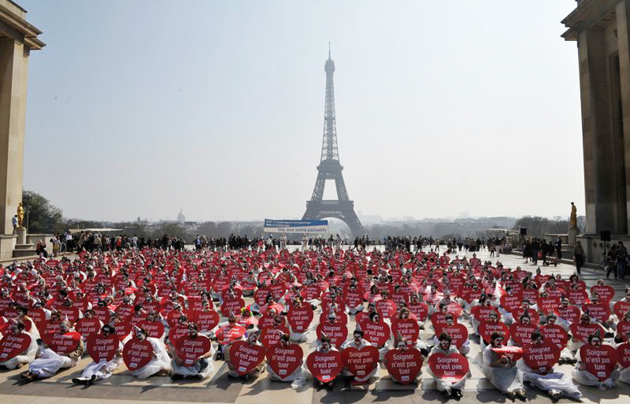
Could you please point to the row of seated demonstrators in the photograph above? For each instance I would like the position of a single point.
(178, 312)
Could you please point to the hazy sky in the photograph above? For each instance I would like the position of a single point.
(140, 108)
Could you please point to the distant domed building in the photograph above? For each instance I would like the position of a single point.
(181, 218)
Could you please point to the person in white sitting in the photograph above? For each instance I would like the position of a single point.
(297, 377)
(201, 367)
(160, 363)
(23, 358)
(103, 369)
(448, 388)
(358, 342)
(583, 376)
(50, 362)
(557, 384)
(501, 371)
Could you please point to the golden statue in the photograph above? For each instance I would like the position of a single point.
(573, 218)
(20, 215)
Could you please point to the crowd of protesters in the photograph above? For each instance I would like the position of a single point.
(164, 310)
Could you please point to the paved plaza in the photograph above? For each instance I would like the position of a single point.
(122, 387)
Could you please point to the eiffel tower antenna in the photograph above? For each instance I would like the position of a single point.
(329, 168)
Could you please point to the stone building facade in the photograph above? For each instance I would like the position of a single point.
(601, 29)
(17, 39)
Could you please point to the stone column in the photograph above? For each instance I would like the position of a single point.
(598, 167)
(622, 12)
(13, 77)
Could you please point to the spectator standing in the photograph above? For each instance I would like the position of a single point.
(578, 256)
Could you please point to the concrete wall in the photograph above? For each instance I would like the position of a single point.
(594, 247)
(35, 238)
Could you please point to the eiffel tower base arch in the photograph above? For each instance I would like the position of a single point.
(342, 210)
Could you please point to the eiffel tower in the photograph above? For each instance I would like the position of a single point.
(329, 168)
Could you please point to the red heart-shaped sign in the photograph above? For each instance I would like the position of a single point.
(101, 347)
(360, 362)
(458, 333)
(404, 366)
(12, 345)
(621, 308)
(206, 320)
(522, 333)
(386, 308)
(177, 332)
(420, 310)
(582, 332)
(64, 343)
(487, 329)
(188, 349)
(408, 328)
(541, 358)
(600, 362)
(556, 334)
(623, 354)
(605, 292)
(353, 298)
(285, 360)
(376, 333)
(155, 329)
(232, 306)
(300, 318)
(337, 332)
(229, 333)
(245, 357)
(137, 354)
(88, 326)
(270, 336)
(455, 309)
(325, 367)
(453, 367)
(260, 296)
